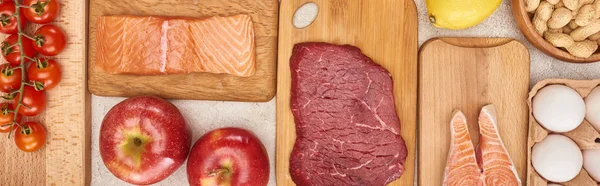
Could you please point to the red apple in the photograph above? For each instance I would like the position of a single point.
(228, 157)
(143, 140)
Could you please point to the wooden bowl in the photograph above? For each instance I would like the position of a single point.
(528, 30)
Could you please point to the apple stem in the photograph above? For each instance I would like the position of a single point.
(218, 172)
(137, 141)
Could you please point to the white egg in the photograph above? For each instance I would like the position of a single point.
(557, 158)
(591, 163)
(558, 108)
(592, 104)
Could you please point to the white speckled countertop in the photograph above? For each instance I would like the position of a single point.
(203, 116)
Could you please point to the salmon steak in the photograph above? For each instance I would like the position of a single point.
(151, 45)
(494, 160)
(489, 165)
(461, 166)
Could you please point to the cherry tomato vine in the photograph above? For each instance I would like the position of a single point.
(27, 92)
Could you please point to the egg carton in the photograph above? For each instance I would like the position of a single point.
(585, 135)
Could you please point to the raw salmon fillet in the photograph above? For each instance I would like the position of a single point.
(160, 45)
(498, 168)
(461, 166)
(491, 165)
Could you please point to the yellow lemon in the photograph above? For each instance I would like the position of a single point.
(459, 14)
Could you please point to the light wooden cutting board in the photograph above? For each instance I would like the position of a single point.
(386, 31)
(65, 159)
(205, 86)
(467, 74)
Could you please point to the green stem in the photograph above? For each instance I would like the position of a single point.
(23, 34)
(30, 59)
(14, 45)
(12, 127)
(22, 65)
(23, 105)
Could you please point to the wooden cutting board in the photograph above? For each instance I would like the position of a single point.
(386, 31)
(65, 159)
(467, 74)
(205, 86)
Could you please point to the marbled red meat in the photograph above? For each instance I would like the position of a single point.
(347, 128)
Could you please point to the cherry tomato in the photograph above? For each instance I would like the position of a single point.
(42, 11)
(7, 117)
(10, 78)
(30, 137)
(13, 54)
(46, 71)
(50, 40)
(8, 24)
(34, 101)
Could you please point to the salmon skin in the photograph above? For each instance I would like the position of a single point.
(150, 45)
(490, 165)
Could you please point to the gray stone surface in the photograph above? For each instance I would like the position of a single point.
(203, 116)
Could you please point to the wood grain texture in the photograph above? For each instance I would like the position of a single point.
(584, 135)
(524, 23)
(467, 74)
(385, 31)
(205, 86)
(65, 160)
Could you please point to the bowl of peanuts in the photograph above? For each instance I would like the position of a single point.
(568, 30)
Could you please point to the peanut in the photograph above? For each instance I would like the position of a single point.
(531, 5)
(559, 39)
(553, 2)
(572, 25)
(585, 2)
(574, 12)
(559, 4)
(585, 16)
(596, 5)
(598, 41)
(581, 33)
(560, 17)
(544, 11)
(595, 36)
(583, 48)
(567, 30)
(540, 25)
(560, 30)
(571, 4)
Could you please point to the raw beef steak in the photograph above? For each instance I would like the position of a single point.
(347, 129)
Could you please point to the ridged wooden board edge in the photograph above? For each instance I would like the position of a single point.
(199, 86)
(584, 135)
(467, 74)
(385, 31)
(65, 159)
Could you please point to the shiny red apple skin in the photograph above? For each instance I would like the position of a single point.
(247, 157)
(164, 137)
